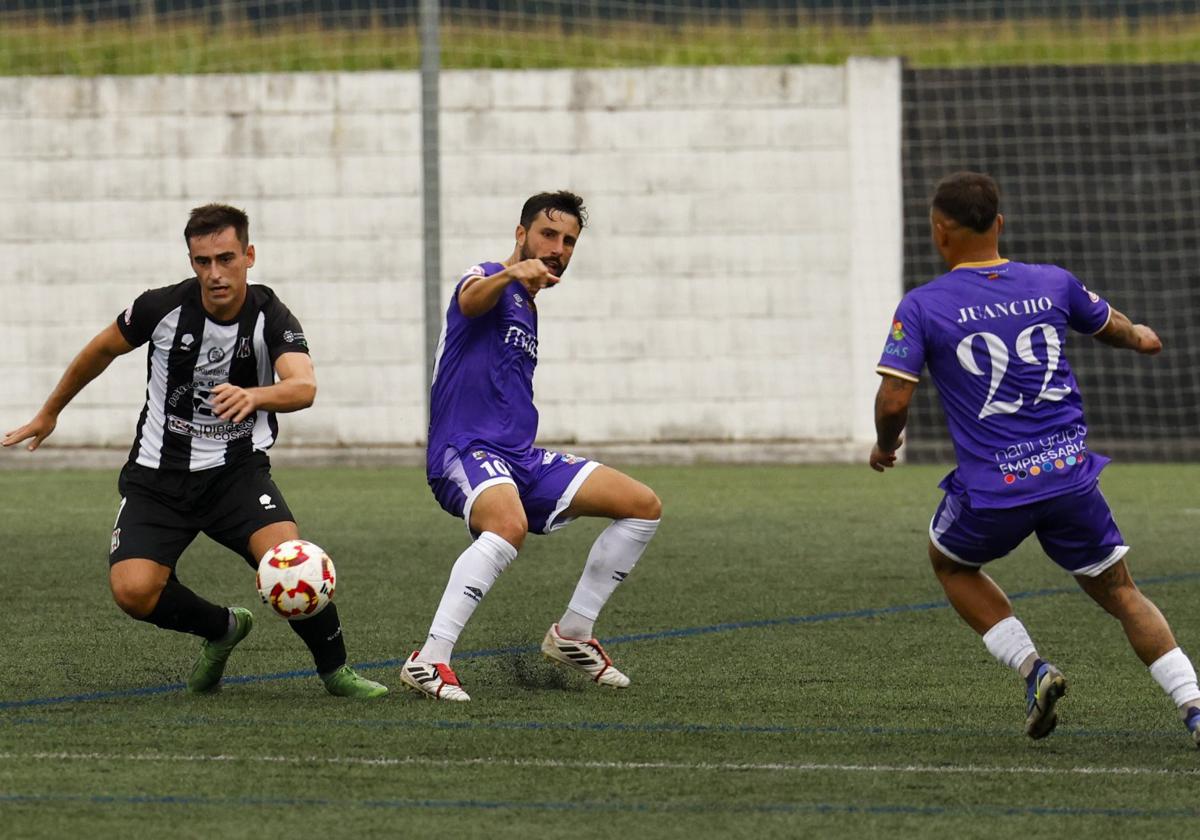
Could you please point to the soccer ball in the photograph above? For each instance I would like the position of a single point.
(296, 579)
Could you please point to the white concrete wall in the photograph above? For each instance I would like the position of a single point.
(735, 282)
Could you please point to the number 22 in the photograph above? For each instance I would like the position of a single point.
(998, 353)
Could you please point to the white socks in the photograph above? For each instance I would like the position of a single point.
(613, 556)
(474, 572)
(1009, 642)
(1177, 677)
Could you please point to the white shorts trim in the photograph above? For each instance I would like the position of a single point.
(1096, 569)
(933, 538)
(453, 469)
(553, 522)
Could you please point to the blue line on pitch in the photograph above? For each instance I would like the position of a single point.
(756, 624)
(309, 804)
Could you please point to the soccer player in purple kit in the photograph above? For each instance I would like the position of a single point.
(992, 332)
(482, 464)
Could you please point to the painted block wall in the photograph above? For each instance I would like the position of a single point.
(734, 283)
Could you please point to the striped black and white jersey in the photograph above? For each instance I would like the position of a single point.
(190, 353)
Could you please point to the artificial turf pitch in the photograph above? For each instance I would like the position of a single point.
(796, 672)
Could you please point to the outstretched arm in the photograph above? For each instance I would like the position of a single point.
(296, 389)
(90, 363)
(478, 296)
(891, 416)
(1122, 333)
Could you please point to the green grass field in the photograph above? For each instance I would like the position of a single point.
(31, 47)
(796, 674)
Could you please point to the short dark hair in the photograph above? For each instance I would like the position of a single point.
(561, 202)
(970, 198)
(214, 218)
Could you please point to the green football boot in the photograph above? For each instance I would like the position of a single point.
(210, 664)
(345, 683)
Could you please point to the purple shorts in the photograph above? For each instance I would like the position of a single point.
(1076, 530)
(546, 482)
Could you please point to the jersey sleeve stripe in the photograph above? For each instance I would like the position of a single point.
(882, 370)
(1106, 321)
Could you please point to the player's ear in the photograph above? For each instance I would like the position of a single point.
(249, 256)
(999, 223)
(520, 235)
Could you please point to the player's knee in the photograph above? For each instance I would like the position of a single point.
(649, 505)
(511, 528)
(136, 598)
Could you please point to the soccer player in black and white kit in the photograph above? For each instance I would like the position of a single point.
(224, 358)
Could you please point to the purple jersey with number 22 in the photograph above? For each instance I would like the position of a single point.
(993, 335)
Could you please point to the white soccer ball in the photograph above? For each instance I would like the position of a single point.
(296, 579)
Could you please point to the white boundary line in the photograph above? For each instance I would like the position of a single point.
(560, 764)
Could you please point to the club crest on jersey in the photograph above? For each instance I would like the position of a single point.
(243, 347)
(898, 330)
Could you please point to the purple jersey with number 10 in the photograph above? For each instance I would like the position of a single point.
(483, 376)
(993, 336)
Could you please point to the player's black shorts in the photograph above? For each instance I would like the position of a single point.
(161, 511)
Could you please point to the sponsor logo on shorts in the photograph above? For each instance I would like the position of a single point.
(572, 459)
(548, 457)
(116, 540)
